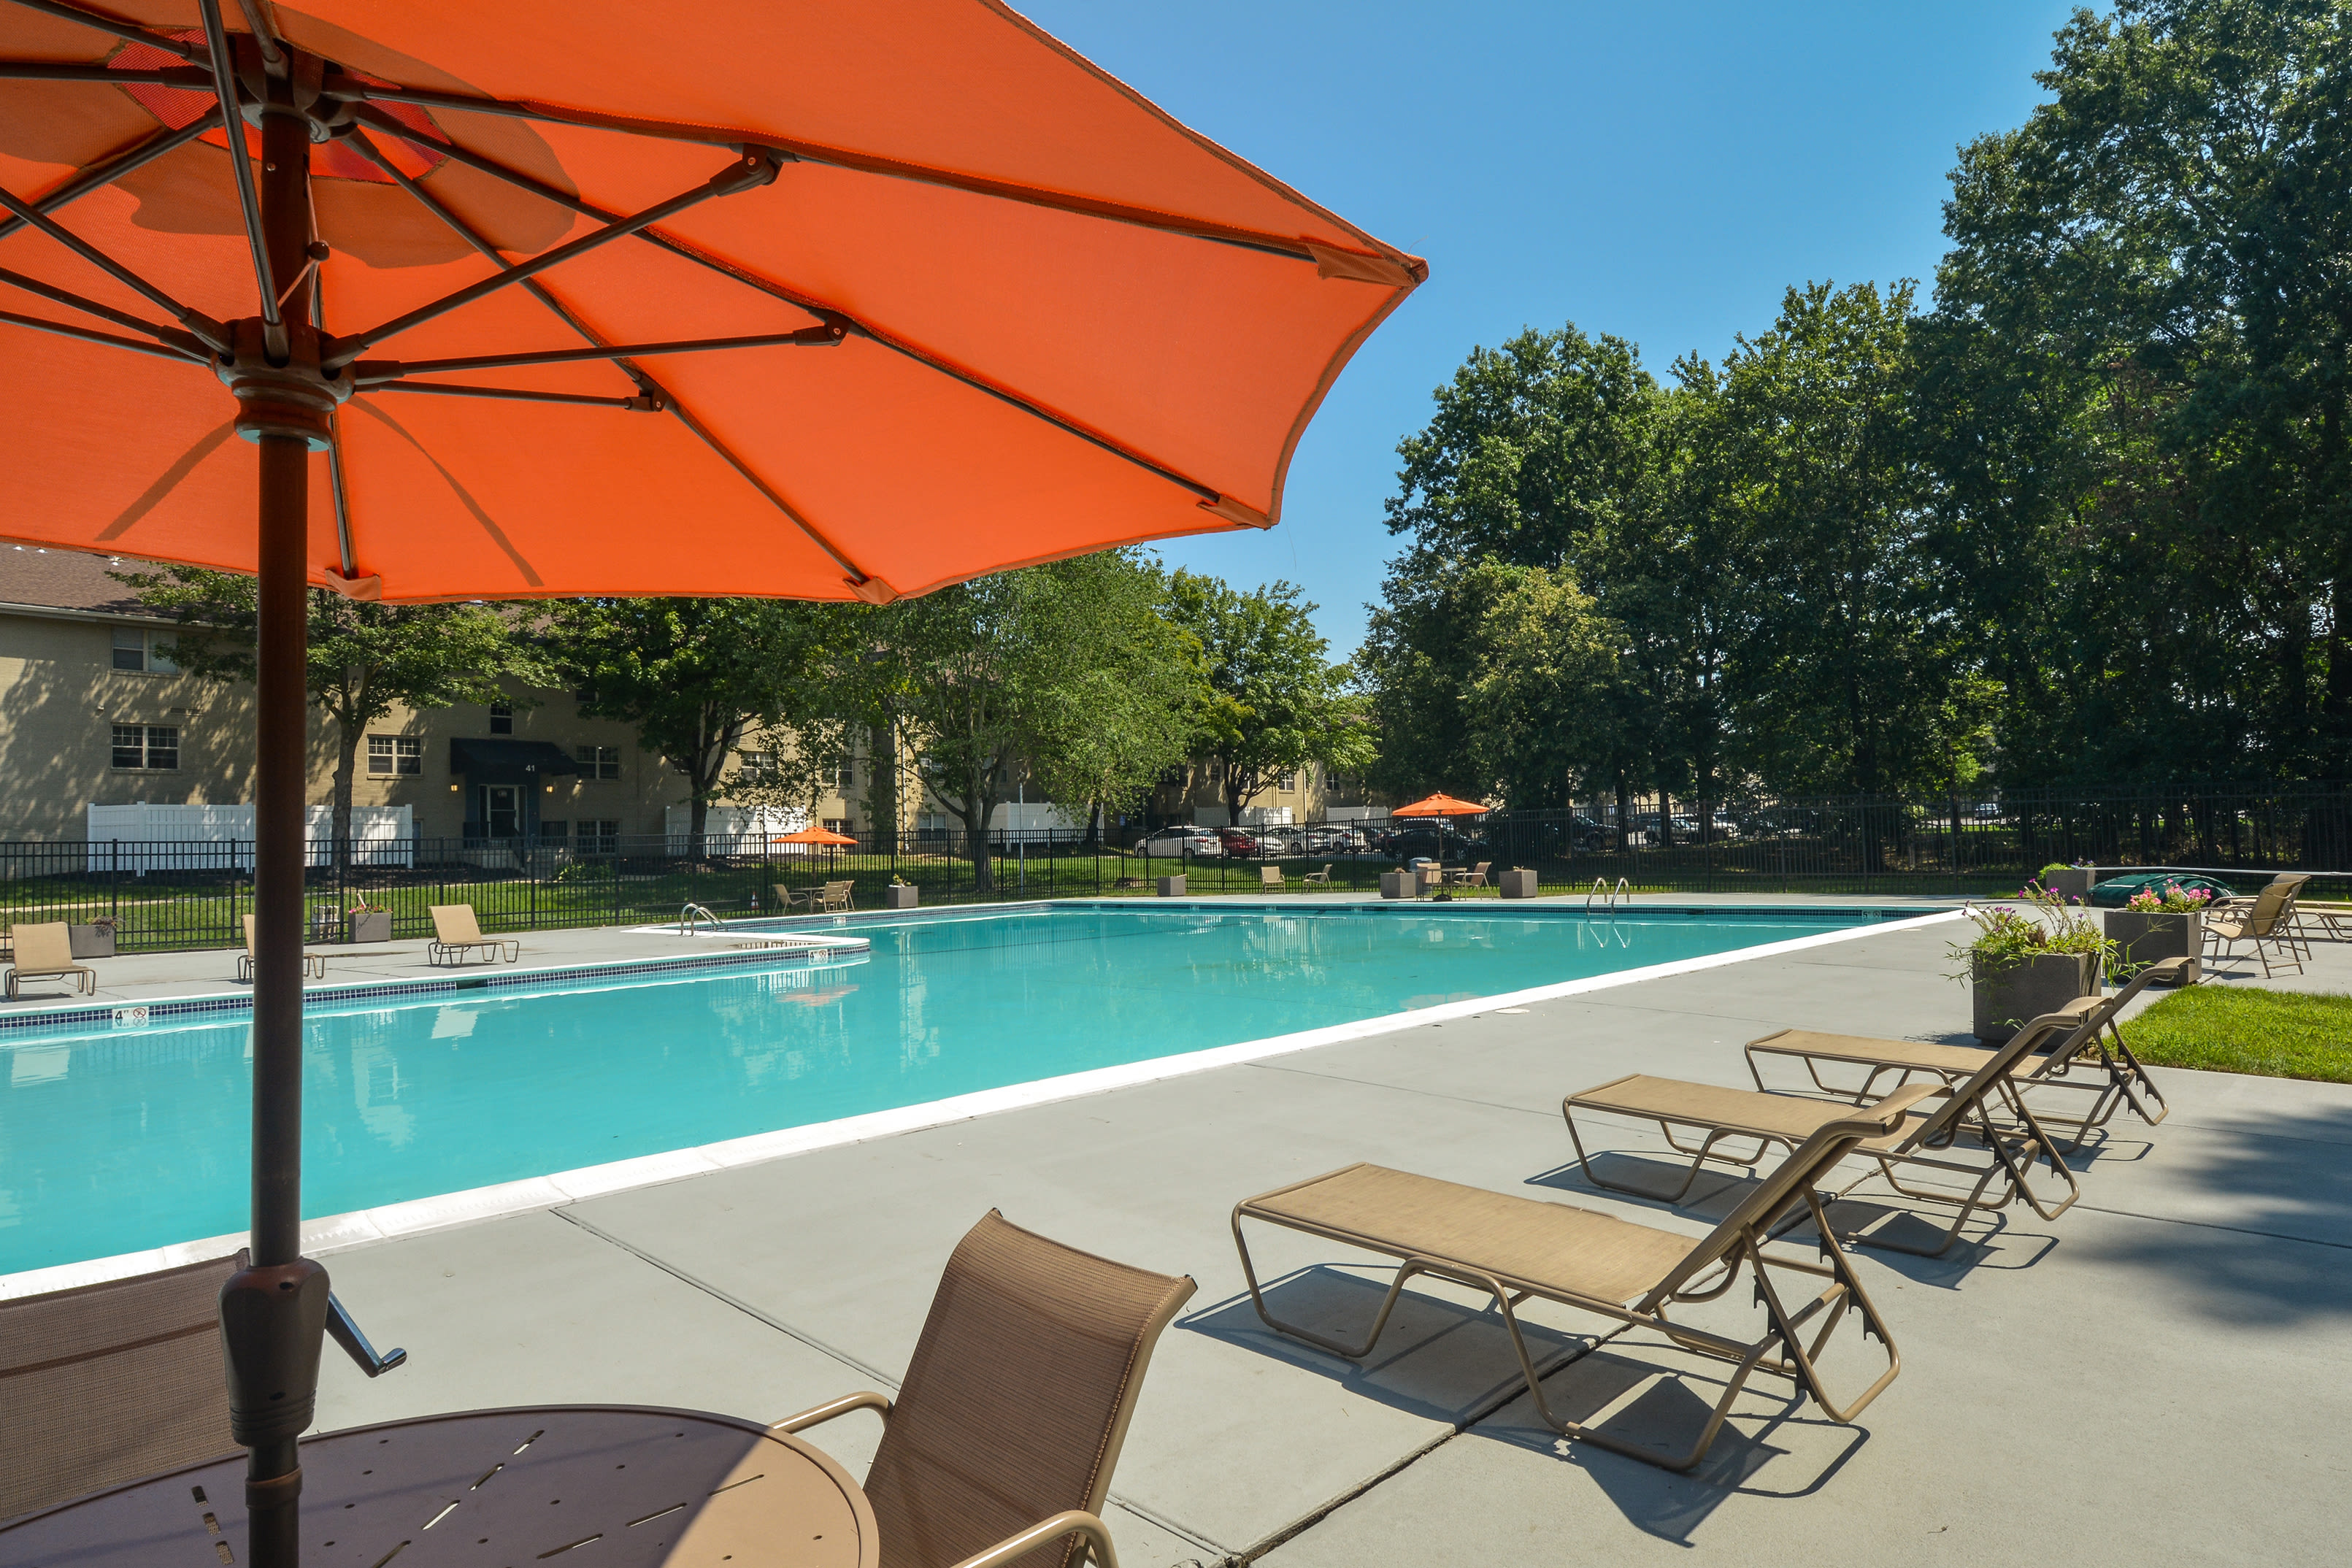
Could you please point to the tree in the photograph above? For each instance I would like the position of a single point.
(1065, 673)
(697, 675)
(1545, 668)
(365, 659)
(1272, 703)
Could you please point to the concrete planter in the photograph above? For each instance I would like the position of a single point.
(1171, 886)
(900, 896)
(367, 925)
(1394, 884)
(1519, 882)
(93, 941)
(2143, 937)
(2005, 1001)
(2074, 881)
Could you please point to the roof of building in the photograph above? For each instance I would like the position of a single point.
(68, 580)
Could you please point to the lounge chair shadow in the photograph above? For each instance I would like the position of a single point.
(1442, 1357)
(1656, 1176)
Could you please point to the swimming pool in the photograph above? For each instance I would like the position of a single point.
(114, 1139)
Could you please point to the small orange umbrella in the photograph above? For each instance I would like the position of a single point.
(1441, 804)
(814, 836)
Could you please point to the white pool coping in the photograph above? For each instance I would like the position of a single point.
(361, 1227)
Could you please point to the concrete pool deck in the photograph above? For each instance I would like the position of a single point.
(2164, 1373)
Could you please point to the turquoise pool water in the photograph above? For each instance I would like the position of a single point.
(120, 1139)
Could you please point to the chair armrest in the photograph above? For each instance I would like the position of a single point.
(1014, 1547)
(818, 1415)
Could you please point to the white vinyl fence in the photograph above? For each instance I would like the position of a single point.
(217, 837)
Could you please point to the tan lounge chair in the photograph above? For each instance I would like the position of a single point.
(456, 933)
(314, 964)
(2103, 1064)
(1926, 1139)
(106, 1384)
(1269, 881)
(827, 899)
(1317, 878)
(1474, 878)
(46, 952)
(1515, 1248)
(2268, 924)
(1002, 1441)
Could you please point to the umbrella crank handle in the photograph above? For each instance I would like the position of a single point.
(347, 1334)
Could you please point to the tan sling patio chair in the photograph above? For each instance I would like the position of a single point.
(1927, 1139)
(828, 897)
(2267, 924)
(1269, 881)
(105, 1384)
(2102, 1063)
(1474, 878)
(1000, 1446)
(1515, 1248)
(1317, 878)
(45, 952)
(314, 964)
(456, 934)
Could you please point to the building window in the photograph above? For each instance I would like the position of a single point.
(757, 765)
(597, 763)
(596, 837)
(842, 774)
(150, 747)
(135, 649)
(501, 718)
(391, 754)
(836, 825)
(555, 833)
(1286, 780)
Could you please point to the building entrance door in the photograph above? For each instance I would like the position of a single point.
(501, 813)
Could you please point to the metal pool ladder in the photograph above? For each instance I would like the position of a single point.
(690, 913)
(1607, 895)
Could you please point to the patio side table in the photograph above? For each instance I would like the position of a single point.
(635, 1486)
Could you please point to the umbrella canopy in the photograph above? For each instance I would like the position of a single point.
(528, 298)
(987, 306)
(814, 836)
(1441, 804)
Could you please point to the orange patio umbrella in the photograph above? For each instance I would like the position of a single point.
(1441, 804)
(814, 836)
(529, 299)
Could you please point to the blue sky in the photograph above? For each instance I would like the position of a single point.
(1659, 172)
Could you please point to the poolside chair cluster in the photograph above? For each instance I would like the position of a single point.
(829, 898)
(1972, 1119)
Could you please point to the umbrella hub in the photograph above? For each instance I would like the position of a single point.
(293, 399)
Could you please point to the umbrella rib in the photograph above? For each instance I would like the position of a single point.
(138, 156)
(491, 166)
(346, 556)
(185, 342)
(755, 167)
(857, 162)
(248, 200)
(26, 212)
(370, 373)
(114, 24)
(564, 314)
(521, 394)
(43, 324)
(192, 78)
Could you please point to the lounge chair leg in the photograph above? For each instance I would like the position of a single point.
(1380, 1321)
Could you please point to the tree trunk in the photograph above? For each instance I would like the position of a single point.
(882, 783)
(1093, 840)
(975, 828)
(346, 737)
(698, 815)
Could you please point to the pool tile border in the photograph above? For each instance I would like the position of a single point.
(336, 1233)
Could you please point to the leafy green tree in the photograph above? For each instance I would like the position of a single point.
(1066, 674)
(1546, 669)
(365, 659)
(697, 676)
(1272, 703)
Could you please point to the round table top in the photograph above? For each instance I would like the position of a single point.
(496, 1489)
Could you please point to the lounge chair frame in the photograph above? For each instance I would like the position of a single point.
(1714, 1264)
(2121, 1079)
(1317, 879)
(45, 952)
(2269, 921)
(2015, 1143)
(314, 964)
(452, 944)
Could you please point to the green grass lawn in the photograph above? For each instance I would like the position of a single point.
(2272, 1034)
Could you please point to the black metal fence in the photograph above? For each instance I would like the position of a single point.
(160, 896)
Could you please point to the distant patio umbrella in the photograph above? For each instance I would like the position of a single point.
(1441, 804)
(531, 300)
(814, 836)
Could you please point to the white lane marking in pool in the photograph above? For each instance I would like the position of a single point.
(337, 1233)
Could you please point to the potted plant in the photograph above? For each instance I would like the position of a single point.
(95, 939)
(899, 895)
(2153, 926)
(364, 921)
(2074, 881)
(2021, 965)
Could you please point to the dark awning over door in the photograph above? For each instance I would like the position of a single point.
(509, 762)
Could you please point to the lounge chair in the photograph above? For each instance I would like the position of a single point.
(456, 933)
(827, 899)
(1515, 1248)
(1003, 1438)
(1317, 878)
(1474, 878)
(1269, 879)
(106, 1384)
(46, 952)
(2107, 1069)
(1926, 1139)
(2267, 923)
(314, 964)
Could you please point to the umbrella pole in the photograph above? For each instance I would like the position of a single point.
(274, 1313)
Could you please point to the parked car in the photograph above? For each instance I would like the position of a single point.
(1427, 840)
(1238, 840)
(1590, 837)
(1199, 843)
(1331, 838)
